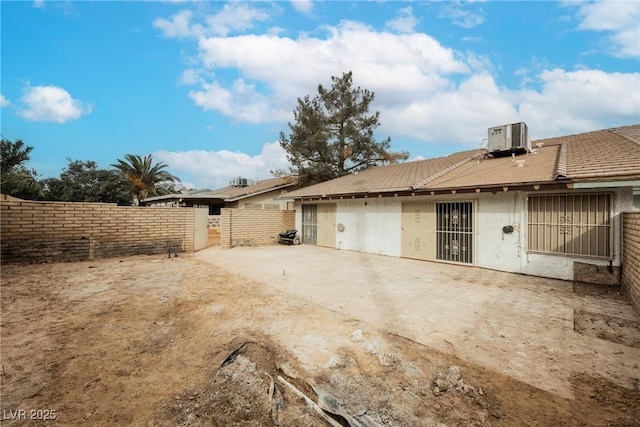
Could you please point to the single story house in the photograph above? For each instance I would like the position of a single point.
(549, 208)
(241, 193)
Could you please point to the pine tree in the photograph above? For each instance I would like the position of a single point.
(333, 134)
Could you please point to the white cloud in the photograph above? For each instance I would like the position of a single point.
(241, 101)
(567, 102)
(461, 17)
(571, 101)
(303, 6)
(190, 77)
(51, 104)
(4, 102)
(214, 169)
(393, 66)
(235, 16)
(178, 26)
(619, 18)
(404, 22)
(424, 90)
(459, 115)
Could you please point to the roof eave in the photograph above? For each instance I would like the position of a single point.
(406, 192)
(353, 193)
(257, 193)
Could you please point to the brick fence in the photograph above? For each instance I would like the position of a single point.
(631, 256)
(65, 231)
(253, 227)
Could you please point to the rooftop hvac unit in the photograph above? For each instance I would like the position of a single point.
(239, 182)
(507, 139)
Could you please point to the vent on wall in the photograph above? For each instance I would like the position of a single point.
(507, 139)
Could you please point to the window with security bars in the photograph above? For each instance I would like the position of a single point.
(570, 224)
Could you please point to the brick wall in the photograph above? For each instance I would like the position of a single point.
(64, 231)
(253, 227)
(631, 256)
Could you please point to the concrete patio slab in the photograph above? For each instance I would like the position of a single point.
(518, 325)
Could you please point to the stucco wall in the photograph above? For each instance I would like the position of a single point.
(631, 257)
(368, 224)
(495, 249)
(375, 227)
(253, 227)
(61, 231)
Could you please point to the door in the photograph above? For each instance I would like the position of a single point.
(455, 232)
(327, 225)
(418, 230)
(310, 224)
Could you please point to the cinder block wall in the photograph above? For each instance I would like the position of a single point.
(631, 256)
(253, 227)
(34, 232)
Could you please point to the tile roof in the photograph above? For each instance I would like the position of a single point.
(232, 193)
(396, 177)
(604, 154)
(534, 167)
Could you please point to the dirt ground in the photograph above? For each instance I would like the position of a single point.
(156, 341)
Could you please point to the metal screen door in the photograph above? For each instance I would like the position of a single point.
(454, 231)
(310, 224)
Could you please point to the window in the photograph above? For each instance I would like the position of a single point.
(570, 224)
(252, 206)
(272, 206)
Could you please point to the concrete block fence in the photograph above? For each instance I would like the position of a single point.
(33, 232)
(253, 227)
(631, 256)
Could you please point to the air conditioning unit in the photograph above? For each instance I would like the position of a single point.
(239, 182)
(508, 139)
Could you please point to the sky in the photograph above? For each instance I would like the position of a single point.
(207, 87)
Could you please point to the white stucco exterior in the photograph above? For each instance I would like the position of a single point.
(360, 221)
(374, 225)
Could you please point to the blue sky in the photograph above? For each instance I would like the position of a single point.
(206, 87)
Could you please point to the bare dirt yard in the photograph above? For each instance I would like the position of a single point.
(305, 336)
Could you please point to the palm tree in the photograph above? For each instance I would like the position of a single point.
(144, 175)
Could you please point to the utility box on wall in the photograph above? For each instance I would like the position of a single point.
(508, 138)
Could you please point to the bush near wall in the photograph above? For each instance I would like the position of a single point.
(631, 256)
(33, 232)
(253, 227)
